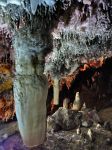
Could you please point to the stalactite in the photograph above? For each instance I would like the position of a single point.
(34, 4)
(56, 91)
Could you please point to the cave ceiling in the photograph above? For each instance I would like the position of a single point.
(80, 29)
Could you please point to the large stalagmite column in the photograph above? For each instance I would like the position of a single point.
(30, 88)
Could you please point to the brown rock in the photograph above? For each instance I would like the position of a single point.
(106, 114)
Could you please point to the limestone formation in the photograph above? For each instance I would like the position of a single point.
(56, 91)
(54, 34)
(30, 90)
(77, 102)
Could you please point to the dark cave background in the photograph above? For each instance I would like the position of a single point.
(96, 94)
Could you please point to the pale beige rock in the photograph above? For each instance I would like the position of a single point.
(77, 102)
(30, 88)
(30, 102)
(56, 91)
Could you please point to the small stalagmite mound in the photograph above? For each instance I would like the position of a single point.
(77, 102)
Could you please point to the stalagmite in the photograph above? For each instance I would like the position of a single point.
(30, 90)
(84, 107)
(90, 134)
(78, 131)
(66, 102)
(77, 102)
(56, 91)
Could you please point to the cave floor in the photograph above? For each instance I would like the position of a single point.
(101, 137)
(64, 140)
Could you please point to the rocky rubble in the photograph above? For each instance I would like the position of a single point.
(64, 119)
(72, 132)
(67, 119)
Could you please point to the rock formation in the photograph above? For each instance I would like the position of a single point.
(55, 34)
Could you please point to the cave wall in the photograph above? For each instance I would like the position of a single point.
(76, 31)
